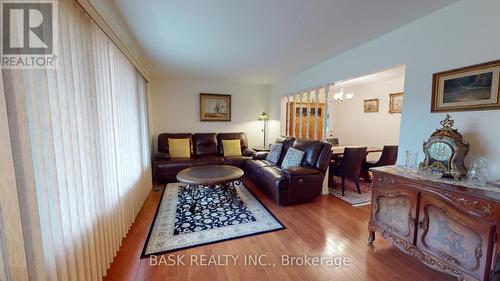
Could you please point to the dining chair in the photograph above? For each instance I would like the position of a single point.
(389, 157)
(350, 166)
(333, 141)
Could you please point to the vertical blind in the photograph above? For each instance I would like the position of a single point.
(81, 154)
(306, 113)
(13, 264)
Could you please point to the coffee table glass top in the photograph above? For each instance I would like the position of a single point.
(213, 174)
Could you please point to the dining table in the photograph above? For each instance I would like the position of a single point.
(338, 151)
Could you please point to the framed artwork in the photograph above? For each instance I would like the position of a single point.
(215, 107)
(396, 103)
(473, 87)
(371, 106)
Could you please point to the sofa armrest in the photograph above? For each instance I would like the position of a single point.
(248, 152)
(301, 171)
(261, 155)
(162, 156)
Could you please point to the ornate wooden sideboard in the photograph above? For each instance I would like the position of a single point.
(448, 226)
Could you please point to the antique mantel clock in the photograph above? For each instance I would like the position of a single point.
(445, 151)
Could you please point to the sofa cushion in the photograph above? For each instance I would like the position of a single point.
(204, 160)
(274, 152)
(311, 148)
(204, 144)
(231, 147)
(252, 166)
(293, 158)
(238, 161)
(175, 163)
(179, 148)
(324, 157)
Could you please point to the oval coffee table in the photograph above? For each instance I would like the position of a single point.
(203, 180)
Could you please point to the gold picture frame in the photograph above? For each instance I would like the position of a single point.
(371, 106)
(396, 103)
(475, 87)
(215, 107)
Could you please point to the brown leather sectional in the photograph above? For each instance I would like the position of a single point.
(294, 185)
(206, 149)
(284, 186)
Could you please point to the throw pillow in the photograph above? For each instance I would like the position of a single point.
(293, 158)
(179, 148)
(231, 147)
(274, 152)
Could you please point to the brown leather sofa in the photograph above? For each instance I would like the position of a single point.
(206, 149)
(293, 185)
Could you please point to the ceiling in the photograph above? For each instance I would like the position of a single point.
(383, 75)
(258, 41)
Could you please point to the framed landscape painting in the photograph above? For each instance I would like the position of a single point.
(396, 103)
(215, 107)
(474, 87)
(371, 106)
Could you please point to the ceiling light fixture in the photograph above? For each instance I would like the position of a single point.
(340, 97)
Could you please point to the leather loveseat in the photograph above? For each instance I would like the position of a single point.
(293, 185)
(206, 149)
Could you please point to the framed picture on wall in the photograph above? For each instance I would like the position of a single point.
(473, 87)
(396, 103)
(215, 107)
(371, 106)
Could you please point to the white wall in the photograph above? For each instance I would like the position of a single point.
(175, 107)
(353, 126)
(461, 34)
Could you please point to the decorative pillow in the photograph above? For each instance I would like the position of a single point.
(274, 152)
(179, 148)
(231, 147)
(293, 158)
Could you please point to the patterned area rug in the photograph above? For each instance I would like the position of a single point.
(352, 197)
(216, 218)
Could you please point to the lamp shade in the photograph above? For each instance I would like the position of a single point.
(264, 116)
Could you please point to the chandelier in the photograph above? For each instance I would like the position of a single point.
(340, 97)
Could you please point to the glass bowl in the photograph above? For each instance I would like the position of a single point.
(428, 173)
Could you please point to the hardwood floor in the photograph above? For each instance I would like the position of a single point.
(326, 226)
